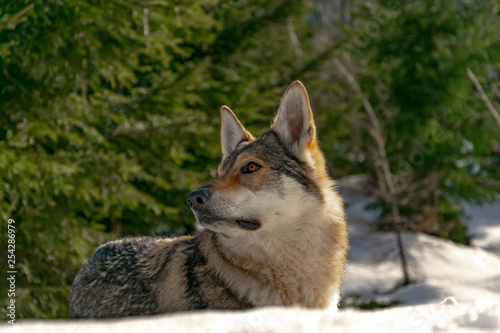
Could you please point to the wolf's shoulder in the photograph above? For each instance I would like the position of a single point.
(124, 246)
(134, 247)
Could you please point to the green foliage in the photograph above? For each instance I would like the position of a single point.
(442, 143)
(110, 116)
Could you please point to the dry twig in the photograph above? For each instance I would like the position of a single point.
(377, 134)
(483, 96)
(299, 54)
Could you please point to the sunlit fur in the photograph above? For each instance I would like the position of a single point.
(274, 236)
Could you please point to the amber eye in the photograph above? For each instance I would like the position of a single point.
(250, 167)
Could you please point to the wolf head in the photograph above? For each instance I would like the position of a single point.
(271, 182)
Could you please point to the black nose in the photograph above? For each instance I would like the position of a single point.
(198, 197)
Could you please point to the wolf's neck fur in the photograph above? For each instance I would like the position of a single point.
(300, 264)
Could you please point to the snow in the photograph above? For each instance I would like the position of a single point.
(458, 289)
(484, 226)
(459, 286)
(474, 317)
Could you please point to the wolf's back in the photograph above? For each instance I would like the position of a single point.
(110, 282)
(147, 275)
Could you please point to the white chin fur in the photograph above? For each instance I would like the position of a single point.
(267, 206)
(226, 229)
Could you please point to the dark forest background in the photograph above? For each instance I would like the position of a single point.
(109, 114)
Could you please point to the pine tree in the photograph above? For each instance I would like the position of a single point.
(110, 116)
(411, 61)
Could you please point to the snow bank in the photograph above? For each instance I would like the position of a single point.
(480, 316)
(459, 286)
(484, 226)
(446, 268)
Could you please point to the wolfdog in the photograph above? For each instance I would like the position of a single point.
(274, 233)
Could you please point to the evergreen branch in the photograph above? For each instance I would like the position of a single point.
(307, 66)
(299, 54)
(496, 91)
(18, 15)
(483, 96)
(484, 181)
(233, 35)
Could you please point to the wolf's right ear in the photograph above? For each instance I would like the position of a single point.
(232, 132)
(294, 123)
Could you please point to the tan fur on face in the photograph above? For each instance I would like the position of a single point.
(233, 178)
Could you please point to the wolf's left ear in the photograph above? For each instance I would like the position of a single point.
(294, 122)
(232, 132)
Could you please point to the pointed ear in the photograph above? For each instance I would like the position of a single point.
(294, 122)
(232, 132)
